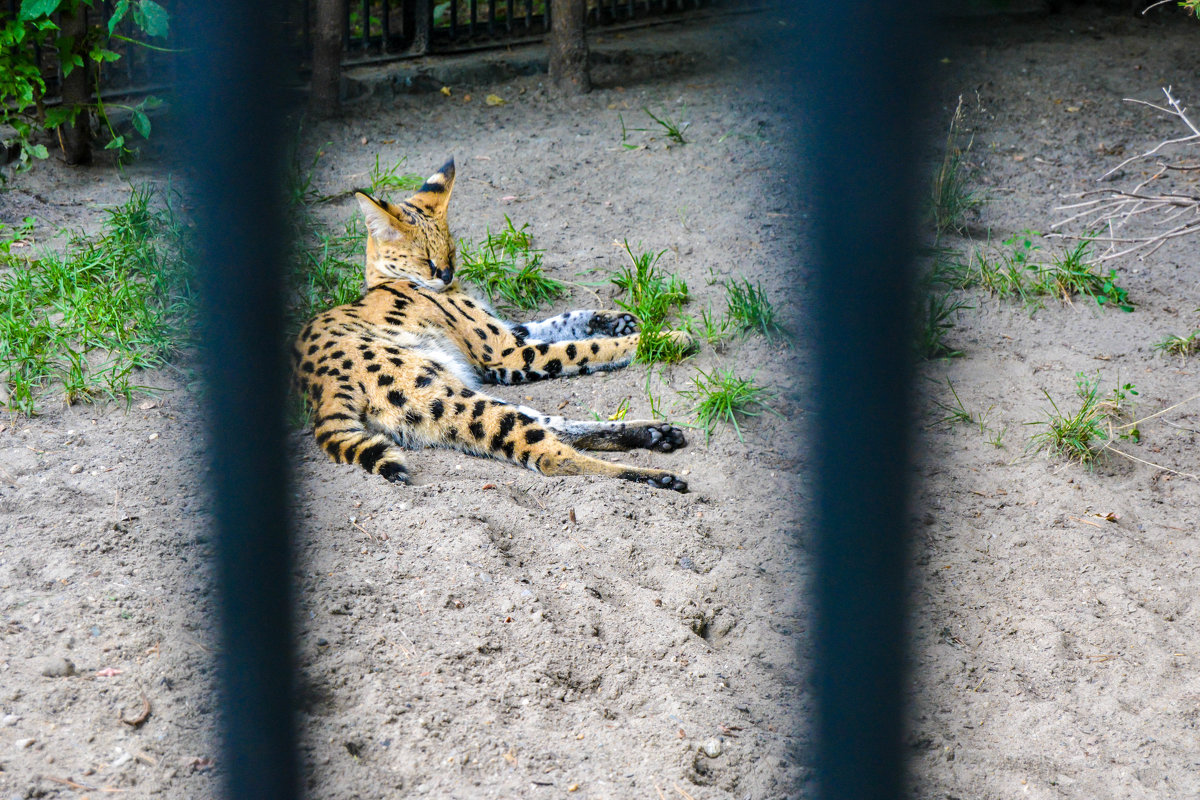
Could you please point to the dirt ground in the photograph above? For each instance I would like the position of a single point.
(491, 633)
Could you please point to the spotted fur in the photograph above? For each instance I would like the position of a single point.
(402, 366)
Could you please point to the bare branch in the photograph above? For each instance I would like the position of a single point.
(1161, 216)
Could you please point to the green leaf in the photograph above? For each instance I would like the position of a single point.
(61, 115)
(39, 151)
(118, 141)
(118, 14)
(152, 18)
(141, 123)
(31, 9)
(100, 55)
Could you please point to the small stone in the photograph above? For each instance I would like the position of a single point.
(57, 667)
(21, 744)
(121, 761)
(711, 748)
(9, 720)
(75, 469)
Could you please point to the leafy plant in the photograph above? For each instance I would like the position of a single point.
(509, 269)
(749, 308)
(720, 396)
(33, 30)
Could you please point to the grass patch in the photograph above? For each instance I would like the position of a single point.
(674, 130)
(506, 266)
(1015, 272)
(652, 295)
(1182, 346)
(950, 199)
(390, 179)
(721, 397)
(748, 308)
(81, 323)
(940, 311)
(1082, 434)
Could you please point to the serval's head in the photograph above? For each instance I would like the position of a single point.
(411, 240)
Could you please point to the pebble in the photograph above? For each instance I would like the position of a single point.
(76, 469)
(711, 748)
(21, 744)
(57, 667)
(687, 563)
(9, 720)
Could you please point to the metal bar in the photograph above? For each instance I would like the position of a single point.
(366, 26)
(232, 129)
(474, 5)
(508, 19)
(346, 28)
(529, 15)
(864, 222)
(491, 26)
(385, 34)
(453, 19)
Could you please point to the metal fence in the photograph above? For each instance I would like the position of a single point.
(375, 31)
(392, 29)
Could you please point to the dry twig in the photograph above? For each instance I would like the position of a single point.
(1167, 214)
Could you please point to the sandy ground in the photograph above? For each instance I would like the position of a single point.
(463, 637)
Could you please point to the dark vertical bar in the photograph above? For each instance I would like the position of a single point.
(508, 19)
(491, 26)
(529, 15)
(864, 221)
(307, 42)
(366, 27)
(385, 35)
(453, 20)
(232, 130)
(422, 38)
(474, 5)
(346, 27)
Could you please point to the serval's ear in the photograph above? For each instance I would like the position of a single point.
(434, 195)
(382, 225)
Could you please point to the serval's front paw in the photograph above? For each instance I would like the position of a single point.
(663, 437)
(604, 323)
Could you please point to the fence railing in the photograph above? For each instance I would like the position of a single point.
(375, 31)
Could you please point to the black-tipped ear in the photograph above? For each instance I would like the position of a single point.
(434, 194)
(380, 223)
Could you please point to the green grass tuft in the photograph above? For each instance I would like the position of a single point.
(652, 295)
(749, 308)
(1182, 346)
(1081, 435)
(507, 267)
(721, 397)
(950, 199)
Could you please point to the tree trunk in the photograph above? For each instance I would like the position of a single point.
(325, 99)
(76, 137)
(568, 47)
